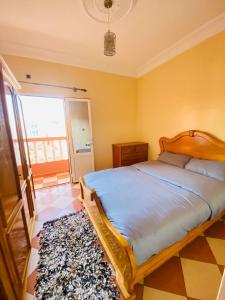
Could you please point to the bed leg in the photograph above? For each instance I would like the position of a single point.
(132, 297)
(81, 192)
(127, 290)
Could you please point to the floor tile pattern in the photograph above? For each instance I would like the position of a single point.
(51, 180)
(194, 273)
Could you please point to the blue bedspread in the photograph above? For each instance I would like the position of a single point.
(153, 204)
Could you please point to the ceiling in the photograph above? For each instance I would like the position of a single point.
(61, 31)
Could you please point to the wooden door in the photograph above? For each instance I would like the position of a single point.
(10, 159)
(15, 241)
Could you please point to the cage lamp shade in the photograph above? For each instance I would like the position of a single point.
(109, 43)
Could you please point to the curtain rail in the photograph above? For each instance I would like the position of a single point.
(53, 85)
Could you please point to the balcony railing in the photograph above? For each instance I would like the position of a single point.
(49, 155)
(47, 149)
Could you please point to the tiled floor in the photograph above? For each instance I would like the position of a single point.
(193, 274)
(51, 180)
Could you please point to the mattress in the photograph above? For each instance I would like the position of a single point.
(153, 204)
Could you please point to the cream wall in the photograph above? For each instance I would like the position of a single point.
(113, 99)
(187, 92)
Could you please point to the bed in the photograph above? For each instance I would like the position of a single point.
(146, 213)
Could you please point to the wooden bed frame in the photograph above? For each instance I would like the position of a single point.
(195, 143)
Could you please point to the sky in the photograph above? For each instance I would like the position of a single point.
(44, 117)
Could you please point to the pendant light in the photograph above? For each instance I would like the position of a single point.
(108, 11)
(109, 37)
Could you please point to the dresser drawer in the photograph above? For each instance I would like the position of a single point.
(141, 148)
(128, 149)
(126, 154)
(134, 155)
(132, 149)
(133, 161)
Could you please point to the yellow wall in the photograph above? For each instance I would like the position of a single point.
(113, 99)
(187, 92)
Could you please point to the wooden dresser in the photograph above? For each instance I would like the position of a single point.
(126, 154)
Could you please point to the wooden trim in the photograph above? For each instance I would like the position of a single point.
(11, 277)
(6, 284)
(119, 251)
(8, 130)
(159, 259)
(30, 229)
(195, 143)
(21, 277)
(9, 243)
(115, 245)
(14, 215)
(9, 75)
(6, 224)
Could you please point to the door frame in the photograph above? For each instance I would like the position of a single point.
(69, 131)
(34, 95)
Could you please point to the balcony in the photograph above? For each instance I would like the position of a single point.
(49, 158)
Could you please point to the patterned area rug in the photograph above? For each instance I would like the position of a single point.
(72, 264)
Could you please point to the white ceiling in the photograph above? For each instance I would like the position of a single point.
(61, 31)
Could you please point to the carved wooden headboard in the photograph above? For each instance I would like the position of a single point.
(195, 143)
